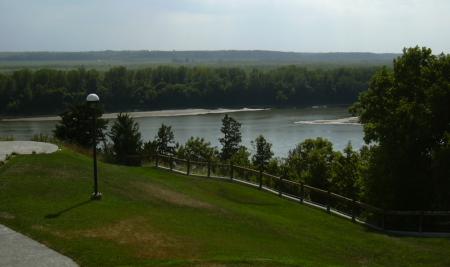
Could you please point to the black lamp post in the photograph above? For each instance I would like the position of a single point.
(94, 99)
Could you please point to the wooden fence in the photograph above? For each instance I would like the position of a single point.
(395, 221)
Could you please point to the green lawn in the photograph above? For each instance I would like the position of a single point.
(156, 218)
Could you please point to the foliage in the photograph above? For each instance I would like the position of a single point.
(126, 140)
(274, 166)
(49, 91)
(76, 125)
(197, 149)
(406, 115)
(150, 150)
(231, 139)
(165, 140)
(241, 157)
(311, 161)
(346, 172)
(263, 153)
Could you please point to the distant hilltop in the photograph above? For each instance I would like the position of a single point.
(199, 57)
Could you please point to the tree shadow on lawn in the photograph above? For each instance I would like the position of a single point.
(59, 213)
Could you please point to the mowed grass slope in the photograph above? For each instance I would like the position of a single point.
(153, 217)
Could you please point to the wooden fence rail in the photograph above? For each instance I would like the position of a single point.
(331, 202)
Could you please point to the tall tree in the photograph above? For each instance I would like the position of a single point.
(406, 114)
(126, 140)
(263, 152)
(231, 139)
(165, 140)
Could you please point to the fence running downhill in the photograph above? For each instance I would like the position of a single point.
(402, 222)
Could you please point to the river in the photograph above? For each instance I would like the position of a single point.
(284, 128)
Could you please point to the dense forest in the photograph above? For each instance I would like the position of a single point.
(50, 91)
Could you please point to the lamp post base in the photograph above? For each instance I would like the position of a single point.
(96, 196)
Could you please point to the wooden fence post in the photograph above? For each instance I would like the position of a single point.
(383, 219)
(209, 169)
(280, 186)
(171, 163)
(302, 192)
(231, 171)
(353, 209)
(421, 221)
(157, 160)
(328, 200)
(188, 170)
(260, 178)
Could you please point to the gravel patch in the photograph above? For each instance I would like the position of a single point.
(25, 148)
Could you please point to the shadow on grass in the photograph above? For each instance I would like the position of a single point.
(59, 213)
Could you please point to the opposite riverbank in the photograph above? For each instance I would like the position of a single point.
(145, 114)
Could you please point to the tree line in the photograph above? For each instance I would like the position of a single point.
(51, 91)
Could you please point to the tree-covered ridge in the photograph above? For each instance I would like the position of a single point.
(219, 56)
(50, 91)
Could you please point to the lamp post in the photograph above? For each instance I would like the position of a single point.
(94, 99)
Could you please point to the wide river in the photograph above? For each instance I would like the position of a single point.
(284, 128)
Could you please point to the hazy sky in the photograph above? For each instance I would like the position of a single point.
(286, 25)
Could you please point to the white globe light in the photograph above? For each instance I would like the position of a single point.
(92, 98)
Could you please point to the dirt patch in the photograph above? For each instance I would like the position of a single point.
(210, 264)
(6, 215)
(136, 234)
(171, 196)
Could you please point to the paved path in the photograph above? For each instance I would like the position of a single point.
(17, 250)
(24, 147)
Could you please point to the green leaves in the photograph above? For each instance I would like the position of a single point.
(263, 152)
(76, 124)
(126, 140)
(231, 140)
(165, 140)
(406, 113)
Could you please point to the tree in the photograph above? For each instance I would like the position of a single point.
(231, 140)
(241, 157)
(150, 150)
(126, 140)
(406, 115)
(263, 153)
(197, 149)
(311, 162)
(76, 125)
(165, 140)
(346, 172)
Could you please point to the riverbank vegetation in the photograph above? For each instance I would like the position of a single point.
(50, 91)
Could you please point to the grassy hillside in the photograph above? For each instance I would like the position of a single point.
(152, 217)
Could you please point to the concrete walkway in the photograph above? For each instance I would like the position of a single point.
(24, 147)
(18, 250)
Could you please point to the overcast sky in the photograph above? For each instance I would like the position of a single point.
(286, 25)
